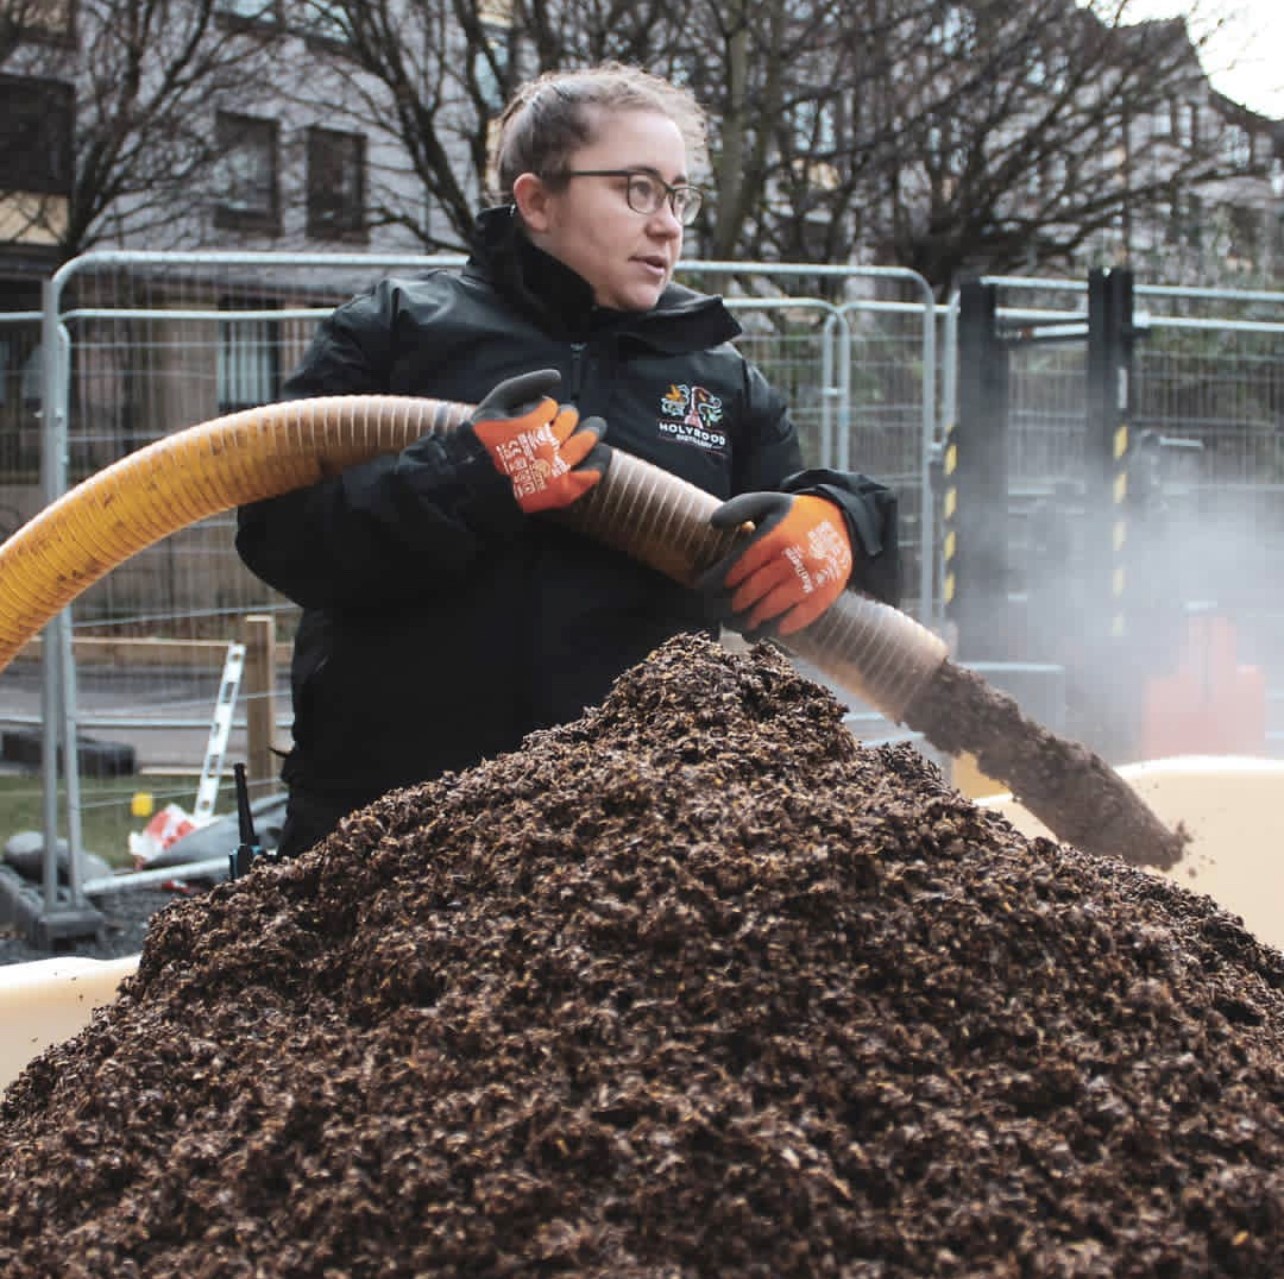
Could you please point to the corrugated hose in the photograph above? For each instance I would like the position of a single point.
(875, 652)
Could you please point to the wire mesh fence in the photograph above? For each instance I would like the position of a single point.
(1202, 506)
(155, 343)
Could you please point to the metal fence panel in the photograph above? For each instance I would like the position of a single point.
(1211, 384)
(1207, 397)
(160, 342)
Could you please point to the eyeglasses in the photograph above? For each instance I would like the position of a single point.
(646, 193)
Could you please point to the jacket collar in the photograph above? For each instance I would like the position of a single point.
(561, 301)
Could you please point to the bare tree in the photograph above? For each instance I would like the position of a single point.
(942, 135)
(947, 136)
(432, 74)
(422, 79)
(22, 20)
(145, 78)
(426, 79)
(1026, 133)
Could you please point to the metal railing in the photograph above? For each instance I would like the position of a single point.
(149, 343)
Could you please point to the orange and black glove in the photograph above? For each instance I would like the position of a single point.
(793, 566)
(549, 455)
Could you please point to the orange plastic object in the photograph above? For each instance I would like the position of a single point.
(1212, 705)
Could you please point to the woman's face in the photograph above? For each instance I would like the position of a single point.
(626, 257)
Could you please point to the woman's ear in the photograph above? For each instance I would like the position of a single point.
(531, 197)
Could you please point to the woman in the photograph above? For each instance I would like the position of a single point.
(443, 618)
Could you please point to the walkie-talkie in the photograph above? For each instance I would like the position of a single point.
(248, 850)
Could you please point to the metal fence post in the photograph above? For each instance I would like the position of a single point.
(259, 635)
(928, 442)
(1109, 410)
(52, 469)
(74, 916)
(977, 471)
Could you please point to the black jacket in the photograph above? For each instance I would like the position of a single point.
(440, 624)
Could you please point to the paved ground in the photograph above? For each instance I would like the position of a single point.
(126, 918)
(165, 717)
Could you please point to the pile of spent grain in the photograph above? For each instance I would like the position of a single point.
(695, 986)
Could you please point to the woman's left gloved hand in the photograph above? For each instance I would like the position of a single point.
(549, 456)
(792, 567)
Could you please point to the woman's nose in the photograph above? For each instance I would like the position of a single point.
(664, 221)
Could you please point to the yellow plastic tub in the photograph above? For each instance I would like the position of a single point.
(1232, 807)
(49, 1000)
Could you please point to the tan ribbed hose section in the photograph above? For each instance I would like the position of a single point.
(639, 509)
(877, 653)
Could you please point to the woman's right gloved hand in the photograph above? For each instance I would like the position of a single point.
(551, 458)
(788, 571)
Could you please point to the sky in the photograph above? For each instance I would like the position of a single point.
(1245, 57)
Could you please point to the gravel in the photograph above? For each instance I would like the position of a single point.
(126, 917)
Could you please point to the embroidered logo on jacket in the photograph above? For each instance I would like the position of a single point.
(692, 415)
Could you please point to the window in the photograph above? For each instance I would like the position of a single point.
(491, 65)
(1244, 228)
(21, 368)
(1049, 70)
(1036, 179)
(1188, 215)
(946, 153)
(1186, 123)
(1173, 221)
(35, 143)
(249, 366)
(21, 371)
(248, 200)
(42, 21)
(815, 127)
(336, 185)
(953, 31)
(1239, 147)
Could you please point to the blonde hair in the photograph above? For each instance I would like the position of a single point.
(553, 115)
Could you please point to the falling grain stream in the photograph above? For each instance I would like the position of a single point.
(1068, 787)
